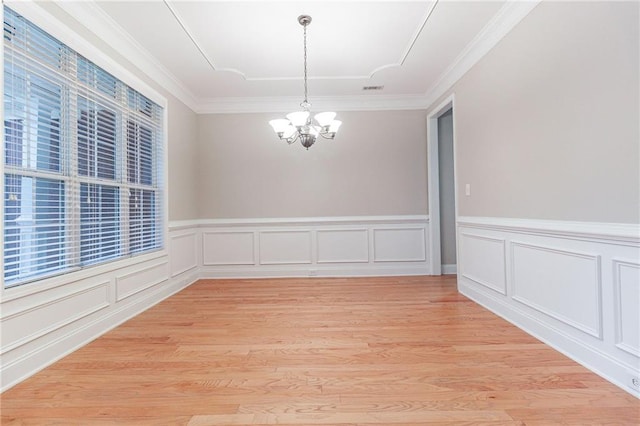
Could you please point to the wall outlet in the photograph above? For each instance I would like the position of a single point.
(313, 272)
(635, 383)
(467, 189)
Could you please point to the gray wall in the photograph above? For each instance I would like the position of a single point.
(547, 128)
(375, 166)
(547, 122)
(446, 189)
(183, 163)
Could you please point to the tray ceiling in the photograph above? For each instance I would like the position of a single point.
(252, 51)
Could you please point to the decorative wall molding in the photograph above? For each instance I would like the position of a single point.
(285, 247)
(626, 286)
(399, 244)
(342, 246)
(570, 284)
(542, 277)
(619, 233)
(484, 261)
(184, 254)
(140, 279)
(33, 322)
(228, 248)
(320, 246)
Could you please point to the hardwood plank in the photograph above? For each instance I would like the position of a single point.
(344, 351)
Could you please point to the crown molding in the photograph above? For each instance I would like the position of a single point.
(96, 20)
(499, 26)
(319, 103)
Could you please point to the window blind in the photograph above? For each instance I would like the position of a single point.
(83, 157)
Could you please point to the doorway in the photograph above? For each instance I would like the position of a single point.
(442, 189)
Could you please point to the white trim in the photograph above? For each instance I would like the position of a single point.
(449, 269)
(58, 324)
(433, 180)
(597, 278)
(501, 286)
(305, 271)
(422, 257)
(627, 233)
(356, 260)
(288, 221)
(46, 284)
(320, 103)
(137, 273)
(617, 295)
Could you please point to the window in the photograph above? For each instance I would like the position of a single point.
(82, 160)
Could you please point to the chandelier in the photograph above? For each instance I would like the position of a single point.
(299, 124)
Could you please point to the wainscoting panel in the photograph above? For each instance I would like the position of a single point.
(399, 245)
(484, 261)
(343, 246)
(39, 320)
(183, 249)
(562, 284)
(228, 248)
(575, 286)
(285, 247)
(627, 294)
(140, 279)
(300, 247)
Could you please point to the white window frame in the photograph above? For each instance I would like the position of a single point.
(49, 23)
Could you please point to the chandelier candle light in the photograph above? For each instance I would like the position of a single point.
(299, 125)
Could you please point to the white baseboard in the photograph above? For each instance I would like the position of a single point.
(246, 273)
(449, 269)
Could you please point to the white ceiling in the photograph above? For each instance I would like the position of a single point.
(225, 54)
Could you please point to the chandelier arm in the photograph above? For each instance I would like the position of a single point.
(327, 135)
(292, 139)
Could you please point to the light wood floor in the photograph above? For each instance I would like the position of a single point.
(363, 351)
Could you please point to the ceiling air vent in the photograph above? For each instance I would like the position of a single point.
(368, 88)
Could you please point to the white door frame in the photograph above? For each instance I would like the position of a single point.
(433, 177)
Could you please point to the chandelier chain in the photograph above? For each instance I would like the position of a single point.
(306, 89)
